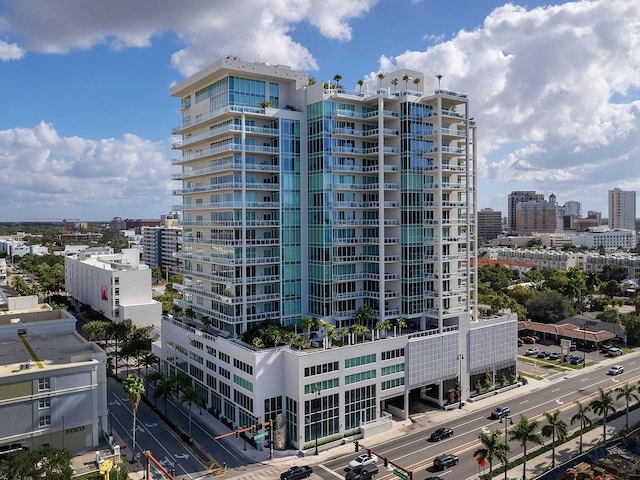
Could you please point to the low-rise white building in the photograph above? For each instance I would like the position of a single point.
(337, 391)
(116, 284)
(610, 240)
(53, 382)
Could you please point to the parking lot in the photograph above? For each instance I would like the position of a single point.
(548, 357)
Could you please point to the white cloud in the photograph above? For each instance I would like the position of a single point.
(10, 51)
(555, 80)
(84, 178)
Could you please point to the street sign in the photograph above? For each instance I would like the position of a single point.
(400, 474)
(260, 435)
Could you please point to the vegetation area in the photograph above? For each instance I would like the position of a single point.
(548, 296)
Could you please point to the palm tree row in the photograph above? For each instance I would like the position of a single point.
(524, 431)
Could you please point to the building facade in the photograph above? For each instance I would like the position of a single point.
(622, 209)
(538, 216)
(489, 223)
(115, 284)
(517, 197)
(53, 382)
(160, 246)
(309, 200)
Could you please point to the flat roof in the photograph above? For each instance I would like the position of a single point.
(29, 353)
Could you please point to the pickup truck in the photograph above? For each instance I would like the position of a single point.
(362, 472)
(296, 473)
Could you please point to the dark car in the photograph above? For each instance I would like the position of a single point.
(576, 360)
(441, 434)
(445, 461)
(528, 340)
(554, 356)
(296, 473)
(362, 472)
(500, 412)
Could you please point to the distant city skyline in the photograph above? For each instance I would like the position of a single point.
(85, 129)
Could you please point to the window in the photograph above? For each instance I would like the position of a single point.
(45, 421)
(44, 403)
(44, 384)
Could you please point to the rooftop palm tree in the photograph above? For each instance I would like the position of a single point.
(337, 78)
(416, 81)
(603, 405)
(439, 77)
(133, 387)
(394, 82)
(380, 78)
(360, 83)
(365, 315)
(581, 416)
(405, 79)
(401, 323)
(359, 330)
(628, 392)
(492, 449)
(524, 432)
(555, 427)
(190, 396)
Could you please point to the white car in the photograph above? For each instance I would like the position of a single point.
(531, 351)
(616, 370)
(364, 459)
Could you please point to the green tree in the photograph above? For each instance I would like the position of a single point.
(612, 271)
(416, 81)
(95, 330)
(496, 277)
(298, 342)
(547, 307)
(394, 82)
(401, 323)
(380, 78)
(360, 83)
(524, 432)
(190, 396)
(164, 388)
(156, 274)
(405, 79)
(556, 428)
(582, 417)
(359, 330)
(153, 378)
(628, 393)
(307, 324)
(365, 315)
(47, 462)
(337, 78)
(133, 387)
(603, 405)
(492, 449)
(147, 359)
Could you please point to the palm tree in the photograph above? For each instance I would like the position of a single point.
(147, 359)
(603, 405)
(365, 315)
(416, 81)
(628, 392)
(190, 396)
(360, 83)
(439, 77)
(164, 389)
(154, 378)
(405, 79)
(492, 449)
(119, 331)
(133, 387)
(524, 433)
(307, 324)
(401, 323)
(180, 381)
(394, 82)
(380, 78)
(359, 330)
(581, 416)
(298, 342)
(337, 78)
(383, 325)
(555, 427)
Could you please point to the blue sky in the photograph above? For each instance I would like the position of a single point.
(86, 113)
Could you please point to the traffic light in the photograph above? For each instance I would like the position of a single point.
(237, 434)
(386, 462)
(357, 445)
(253, 430)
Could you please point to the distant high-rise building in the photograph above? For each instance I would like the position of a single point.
(539, 216)
(572, 208)
(489, 223)
(622, 209)
(160, 246)
(516, 197)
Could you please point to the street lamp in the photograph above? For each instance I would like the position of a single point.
(316, 392)
(508, 420)
(460, 357)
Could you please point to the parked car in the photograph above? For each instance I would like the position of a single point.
(528, 340)
(616, 370)
(531, 351)
(614, 352)
(543, 354)
(500, 412)
(520, 342)
(573, 347)
(441, 434)
(296, 473)
(362, 472)
(445, 461)
(364, 459)
(554, 356)
(576, 360)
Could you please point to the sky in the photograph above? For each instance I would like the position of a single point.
(86, 115)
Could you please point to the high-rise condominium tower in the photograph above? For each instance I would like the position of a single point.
(622, 209)
(302, 199)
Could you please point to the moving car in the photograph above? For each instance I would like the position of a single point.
(364, 459)
(531, 351)
(445, 461)
(616, 370)
(296, 473)
(362, 472)
(500, 412)
(441, 434)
